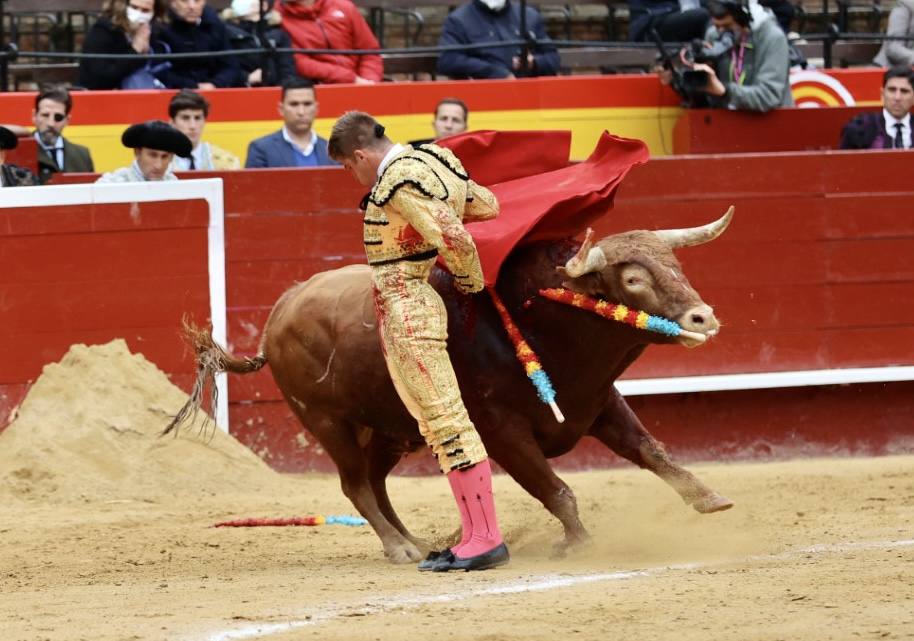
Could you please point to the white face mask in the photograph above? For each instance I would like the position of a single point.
(137, 17)
(242, 8)
(494, 5)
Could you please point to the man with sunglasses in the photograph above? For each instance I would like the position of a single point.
(56, 153)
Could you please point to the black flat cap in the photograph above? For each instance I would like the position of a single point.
(8, 139)
(155, 134)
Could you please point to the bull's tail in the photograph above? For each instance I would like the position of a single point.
(211, 360)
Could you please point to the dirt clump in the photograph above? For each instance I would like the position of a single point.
(89, 429)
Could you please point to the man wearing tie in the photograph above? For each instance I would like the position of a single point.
(891, 127)
(56, 153)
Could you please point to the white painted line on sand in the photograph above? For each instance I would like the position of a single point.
(525, 584)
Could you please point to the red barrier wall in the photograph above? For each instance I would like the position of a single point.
(720, 131)
(813, 274)
(92, 273)
(24, 155)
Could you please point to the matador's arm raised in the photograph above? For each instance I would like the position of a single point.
(438, 225)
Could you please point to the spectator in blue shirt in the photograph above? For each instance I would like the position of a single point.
(495, 21)
(296, 144)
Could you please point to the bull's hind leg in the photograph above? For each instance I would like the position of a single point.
(521, 457)
(383, 454)
(621, 431)
(340, 441)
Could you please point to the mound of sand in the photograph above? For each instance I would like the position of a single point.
(89, 430)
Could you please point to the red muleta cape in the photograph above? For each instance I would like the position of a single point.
(541, 195)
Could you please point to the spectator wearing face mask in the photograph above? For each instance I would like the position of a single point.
(484, 21)
(242, 20)
(123, 28)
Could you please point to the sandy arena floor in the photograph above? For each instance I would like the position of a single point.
(806, 552)
(105, 536)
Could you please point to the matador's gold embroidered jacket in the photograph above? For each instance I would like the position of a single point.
(416, 210)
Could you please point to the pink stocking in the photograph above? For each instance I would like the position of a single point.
(466, 525)
(473, 488)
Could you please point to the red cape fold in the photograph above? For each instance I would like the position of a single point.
(493, 157)
(547, 205)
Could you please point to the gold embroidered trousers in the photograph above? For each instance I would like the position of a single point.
(413, 326)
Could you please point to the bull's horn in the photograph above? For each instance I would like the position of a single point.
(695, 235)
(588, 259)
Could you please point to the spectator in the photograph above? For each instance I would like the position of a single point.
(12, 175)
(188, 111)
(451, 116)
(296, 144)
(56, 153)
(123, 28)
(674, 20)
(195, 28)
(753, 74)
(483, 21)
(155, 144)
(243, 22)
(891, 127)
(901, 24)
(450, 119)
(331, 24)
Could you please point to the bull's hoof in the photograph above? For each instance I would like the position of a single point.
(569, 544)
(402, 553)
(713, 502)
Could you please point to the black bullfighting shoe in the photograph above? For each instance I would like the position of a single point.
(433, 558)
(485, 561)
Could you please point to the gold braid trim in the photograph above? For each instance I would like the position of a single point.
(446, 157)
(408, 170)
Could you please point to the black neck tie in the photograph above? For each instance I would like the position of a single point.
(193, 165)
(899, 141)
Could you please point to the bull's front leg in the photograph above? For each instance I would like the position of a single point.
(621, 431)
(515, 450)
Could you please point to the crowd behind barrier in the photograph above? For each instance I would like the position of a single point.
(742, 63)
(849, 33)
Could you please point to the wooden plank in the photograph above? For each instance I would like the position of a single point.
(90, 218)
(26, 354)
(874, 262)
(612, 57)
(70, 258)
(287, 237)
(100, 304)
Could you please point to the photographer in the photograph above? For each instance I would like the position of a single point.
(744, 61)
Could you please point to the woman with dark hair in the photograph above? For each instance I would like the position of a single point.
(124, 27)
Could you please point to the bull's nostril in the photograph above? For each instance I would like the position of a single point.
(698, 319)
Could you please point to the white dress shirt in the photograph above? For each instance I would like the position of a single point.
(56, 152)
(390, 155)
(890, 122)
(306, 151)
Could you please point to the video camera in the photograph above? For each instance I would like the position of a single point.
(687, 82)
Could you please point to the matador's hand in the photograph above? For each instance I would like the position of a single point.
(467, 284)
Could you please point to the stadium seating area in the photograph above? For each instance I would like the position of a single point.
(59, 26)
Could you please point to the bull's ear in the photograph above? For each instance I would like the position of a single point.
(588, 284)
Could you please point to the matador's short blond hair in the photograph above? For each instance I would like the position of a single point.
(355, 130)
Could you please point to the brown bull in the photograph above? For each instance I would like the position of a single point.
(322, 346)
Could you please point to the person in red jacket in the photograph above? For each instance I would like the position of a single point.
(331, 24)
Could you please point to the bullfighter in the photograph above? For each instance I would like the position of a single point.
(420, 197)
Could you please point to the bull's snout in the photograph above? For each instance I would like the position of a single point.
(700, 319)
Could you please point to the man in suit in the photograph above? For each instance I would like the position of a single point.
(56, 153)
(296, 144)
(891, 127)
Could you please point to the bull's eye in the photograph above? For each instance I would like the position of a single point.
(632, 281)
